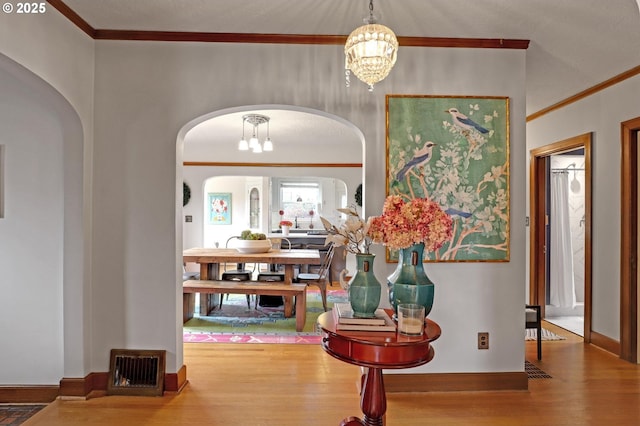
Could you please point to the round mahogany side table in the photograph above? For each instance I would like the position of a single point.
(377, 351)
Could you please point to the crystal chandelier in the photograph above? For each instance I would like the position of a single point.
(371, 51)
(254, 143)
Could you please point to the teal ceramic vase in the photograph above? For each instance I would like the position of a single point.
(409, 283)
(364, 288)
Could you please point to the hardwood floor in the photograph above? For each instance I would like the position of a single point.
(294, 385)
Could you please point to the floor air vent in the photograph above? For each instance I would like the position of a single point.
(136, 372)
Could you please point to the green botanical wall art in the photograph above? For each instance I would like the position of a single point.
(455, 151)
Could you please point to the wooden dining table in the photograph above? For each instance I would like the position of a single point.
(211, 259)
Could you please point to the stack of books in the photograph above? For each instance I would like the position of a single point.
(345, 320)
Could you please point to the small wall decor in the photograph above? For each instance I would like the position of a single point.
(186, 194)
(358, 196)
(219, 208)
(455, 151)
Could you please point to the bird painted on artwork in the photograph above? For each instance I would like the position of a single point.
(455, 212)
(420, 158)
(465, 123)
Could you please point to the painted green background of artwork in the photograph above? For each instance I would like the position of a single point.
(467, 171)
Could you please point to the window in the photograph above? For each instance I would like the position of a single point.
(303, 200)
(300, 202)
(254, 208)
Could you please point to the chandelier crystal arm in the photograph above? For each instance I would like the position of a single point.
(372, 19)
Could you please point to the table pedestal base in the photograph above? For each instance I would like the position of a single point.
(373, 401)
(376, 352)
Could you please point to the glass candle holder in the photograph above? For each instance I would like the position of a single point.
(410, 319)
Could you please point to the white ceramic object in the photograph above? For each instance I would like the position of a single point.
(253, 246)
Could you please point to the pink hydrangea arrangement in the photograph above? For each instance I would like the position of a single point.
(403, 224)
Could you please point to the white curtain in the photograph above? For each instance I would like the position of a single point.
(562, 286)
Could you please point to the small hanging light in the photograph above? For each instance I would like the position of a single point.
(371, 51)
(254, 142)
(243, 145)
(267, 145)
(257, 147)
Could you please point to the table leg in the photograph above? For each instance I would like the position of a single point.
(301, 311)
(373, 401)
(208, 271)
(188, 306)
(288, 300)
(204, 271)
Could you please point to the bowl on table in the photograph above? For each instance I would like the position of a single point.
(253, 246)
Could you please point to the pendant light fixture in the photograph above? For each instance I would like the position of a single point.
(254, 142)
(371, 51)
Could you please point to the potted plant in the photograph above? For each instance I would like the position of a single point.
(413, 227)
(364, 288)
(285, 225)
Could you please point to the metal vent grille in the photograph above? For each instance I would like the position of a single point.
(534, 372)
(136, 372)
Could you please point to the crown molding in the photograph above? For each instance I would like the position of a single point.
(232, 164)
(586, 93)
(72, 16)
(206, 37)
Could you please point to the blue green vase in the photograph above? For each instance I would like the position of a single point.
(364, 288)
(409, 283)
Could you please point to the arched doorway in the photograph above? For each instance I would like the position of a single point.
(44, 209)
(312, 143)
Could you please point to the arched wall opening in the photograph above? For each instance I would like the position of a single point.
(43, 235)
(190, 234)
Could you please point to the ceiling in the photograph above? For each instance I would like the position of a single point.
(289, 127)
(574, 44)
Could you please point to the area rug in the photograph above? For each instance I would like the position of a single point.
(532, 334)
(235, 323)
(16, 414)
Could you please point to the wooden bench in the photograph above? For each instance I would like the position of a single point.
(190, 287)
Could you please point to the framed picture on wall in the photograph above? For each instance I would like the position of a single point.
(454, 150)
(219, 208)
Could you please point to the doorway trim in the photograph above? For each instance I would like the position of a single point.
(537, 182)
(629, 241)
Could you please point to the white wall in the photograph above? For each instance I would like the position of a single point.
(46, 86)
(123, 259)
(239, 215)
(31, 245)
(146, 92)
(601, 114)
(195, 176)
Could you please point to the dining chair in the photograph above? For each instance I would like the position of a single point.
(320, 278)
(238, 274)
(189, 275)
(273, 273)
